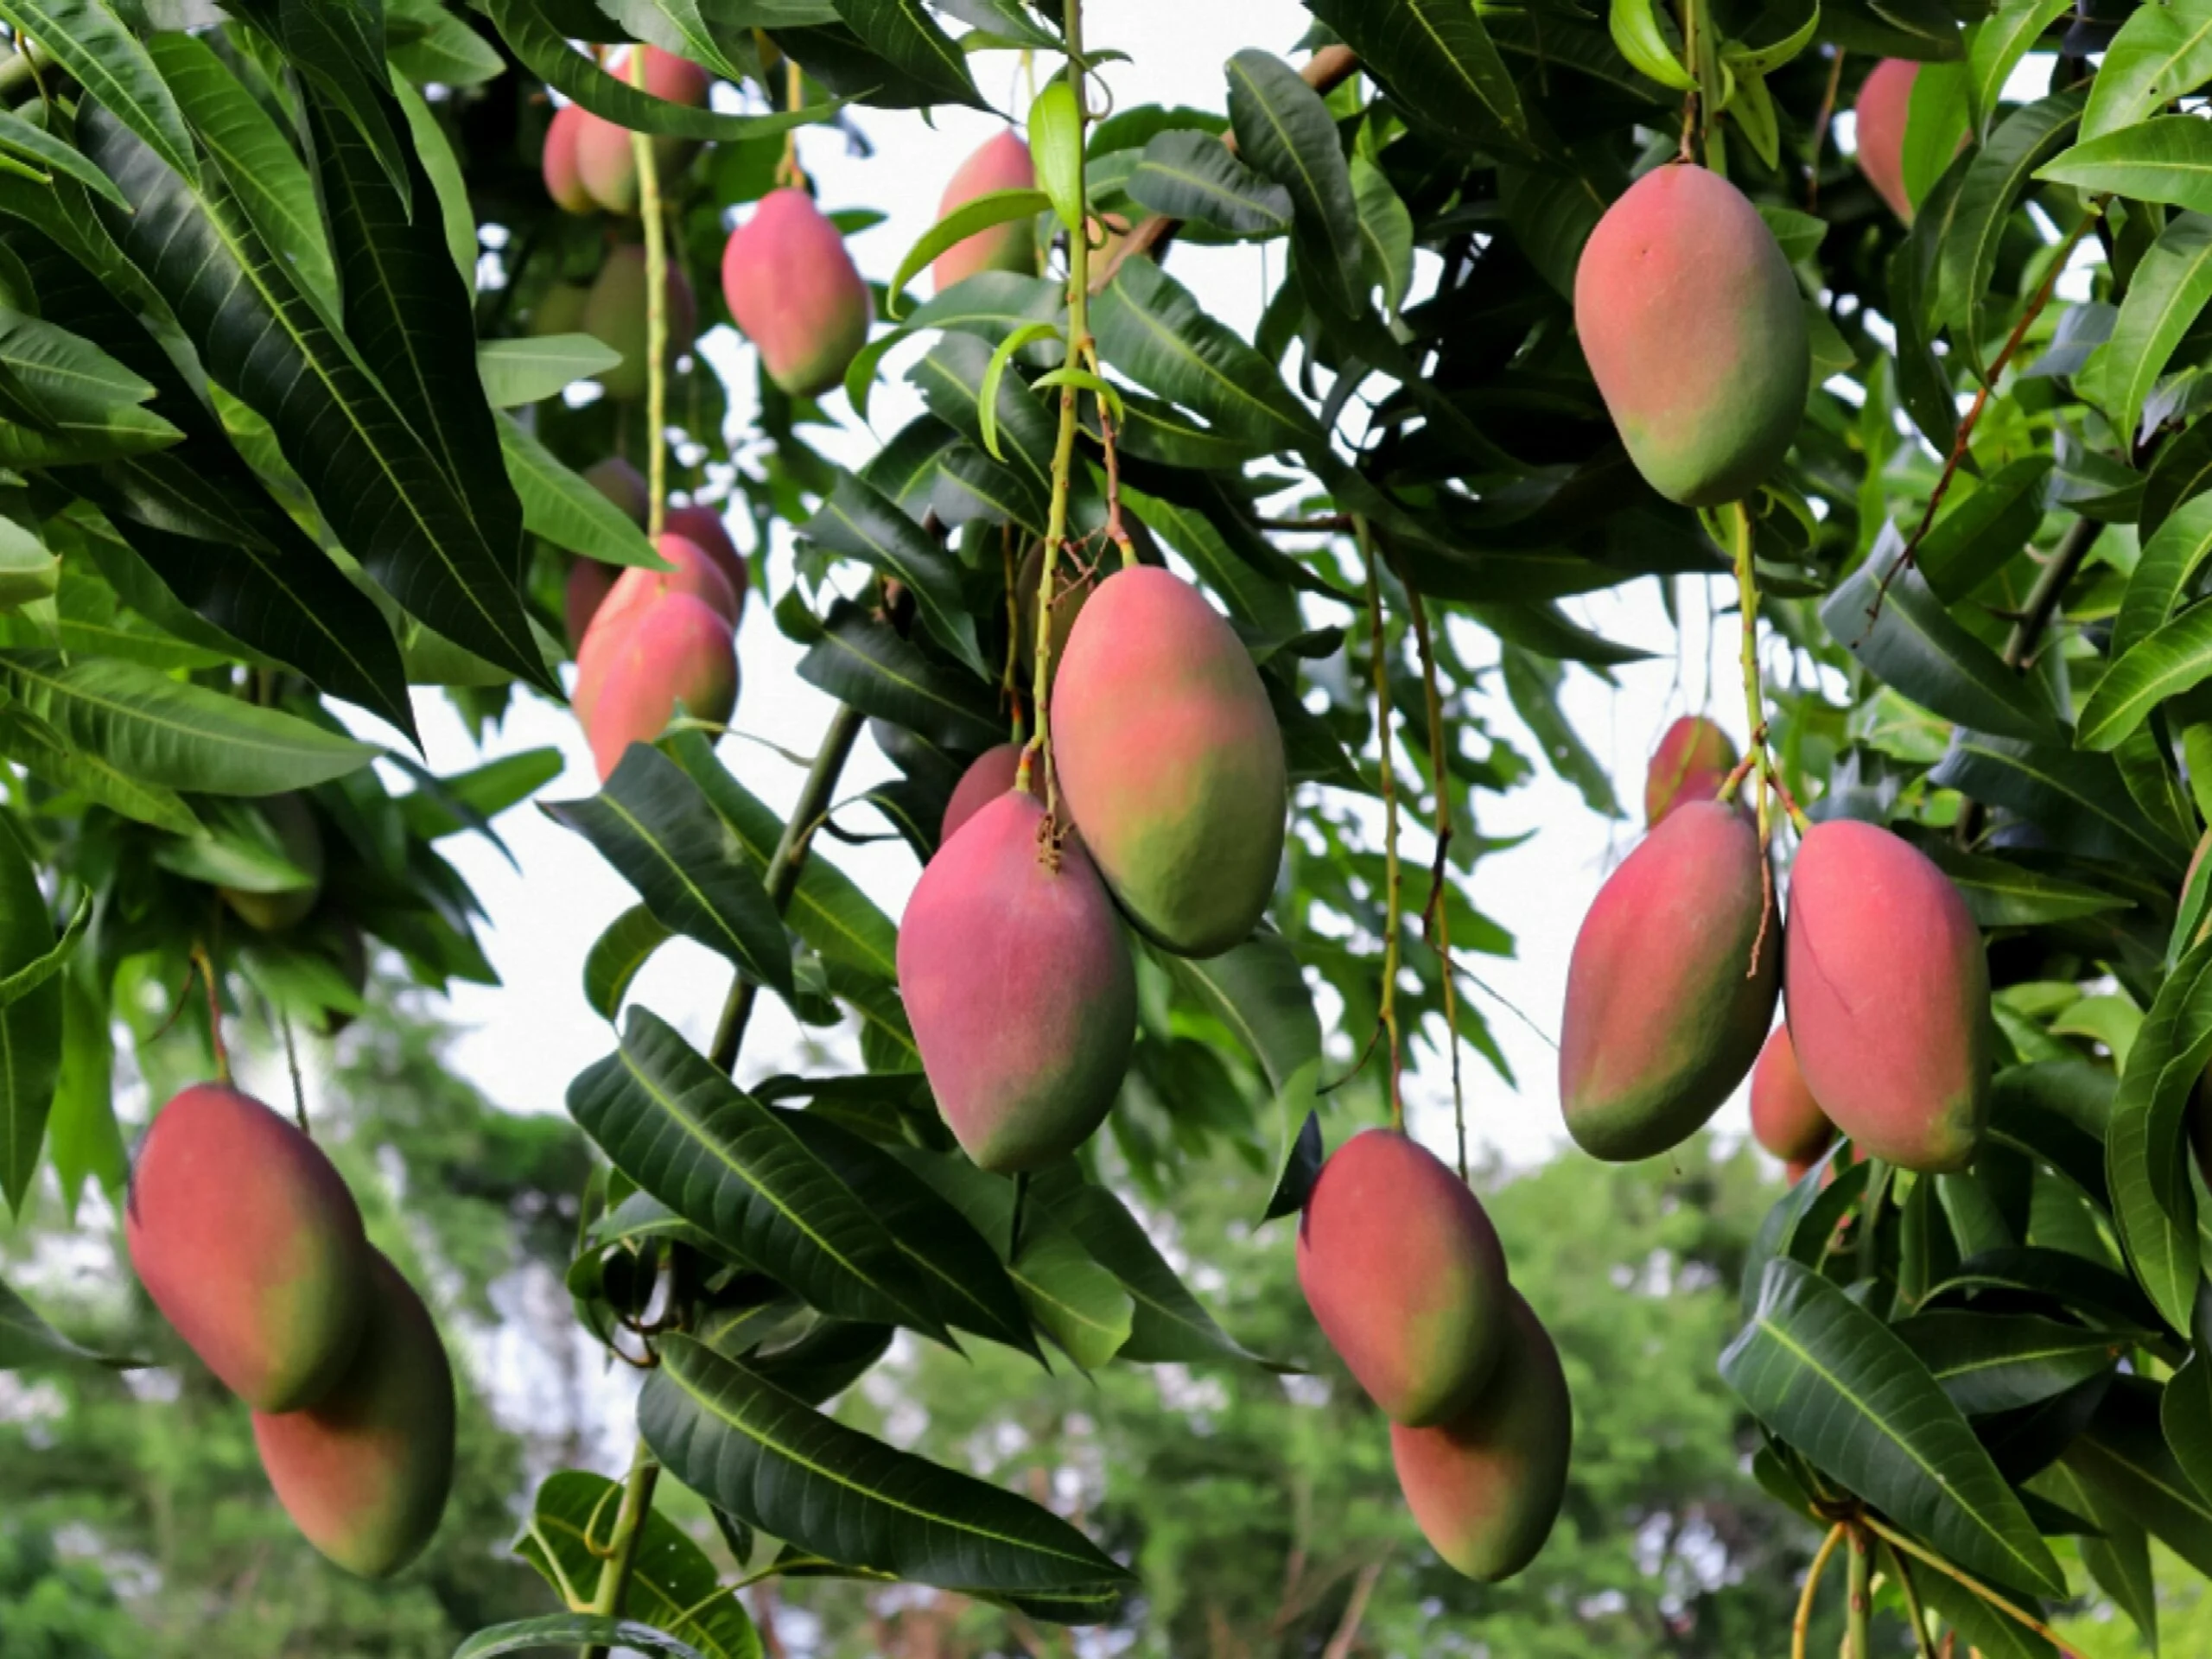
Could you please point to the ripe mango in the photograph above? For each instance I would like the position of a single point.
(1486, 1487)
(1693, 759)
(677, 649)
(989, 775)
(1785, 1118)
(245, 1237)
(1666, 1006)
(364, 1471)
(1885, 102)
(1888, 996)
(1020, 988)
(702, 527)
(1694, 328)
(1001, 164)
(615, 314)
(606, 162)
(1405, 1275)
(795, 293)
(633, 592)
(301, 841)
(1170, 761)
(563, 181)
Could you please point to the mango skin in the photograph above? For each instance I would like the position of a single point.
(364, 1471)
(249, 1242)
(1002, 165)
(560, 310)
(1693, 759)
(1020, 988)
(1485, 1489)
(702, 527)
(675, 649)
(607, 164)
(563, 181)
(1666, 1009)
(1885, 103)
(1170, 761)
(795, 293)
(989, 775)
(1888, 997)
(297, 834)
(1405, 1275)
(1694, 328)
(1785, 1118)
(615, 313)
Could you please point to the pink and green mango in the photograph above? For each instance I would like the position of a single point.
(676, 649)
(1020, 988)
(564, 179)
(1694, 328)
(245, 1235)
(606, 157)
(364, 1471)
(615, 315)
(1486, 1487)
(1670, 989)
(1405, 1275)
(1170, 761)
(1001, 164)
(1693, 760)
(989, 775)
(1785, 1118)
(1884, 105)
(702, 527)
(1888, 997)
(795, 293)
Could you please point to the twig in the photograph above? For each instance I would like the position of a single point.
(1393, 891)
(1859, 1609)
(649, 206)
(1914, 1615)
(615, 1573)
(1821, 132)
(1437, 915)
(292, 1061)
(206, 972)
(1347, 1630)
(2019, 1615)
(1802, 1622)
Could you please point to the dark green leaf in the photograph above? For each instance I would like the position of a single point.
(863, 661)
(2161, 53)
(30, 1024)
(1987, 1363)
(860, 522)
(1992, 184)
(2075, 798)
(1438, 60)
(1286, 132)
(1192, 175)
(2125, 1457)
(2164, 297)
(558, 505)
(616, 956)
(904, 34)
(89, 40)
(1151, 329)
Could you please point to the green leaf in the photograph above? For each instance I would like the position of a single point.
(2001, 893)
(571, 1630)
(1168, 1324)
(991, 304)
(1991, 186)
(2161, 53)
(71, 402)
(89, 40)
(1999, 1362)
(2077, 797)
(518, 371)
(446, 52)
(653, 824)
(2164, 297)
(1386, 232)
(29, 571)
(977, 213)
(859, 522)
(686, 1134)
(1915, 646)
(1532, 687)
(1437, 58)
(30, 1020)
(680, 27)
(558, 505)
(1285, 131)
(1056, 150)
(2168, 158)
(2146, 1157)
(1258, 991)
(18, 136)
(436, 151)
(777, 1464)
(2125, 1456)
(674, 1587)
(951, 378)
(626, 945)
(1980, 535)
(1996, 46)
(465, 799)
(1838, 1384)
(1193, 175)
(338, 47)
(863, 661)
(904, 34)
(1936, 124)
(1150, 328)
(2169, 562)
(1249, 592)
(29, 1342)
(2172, 661)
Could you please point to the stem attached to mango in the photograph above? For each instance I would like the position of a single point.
(1438, 917)
(1914, 1615)
(649, 208)
(2019, 1615)
(1800, 1625)
(1392, 877)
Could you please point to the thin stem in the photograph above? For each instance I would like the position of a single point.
(789, 173)
(616, 1571)
(1439, 919)
(1914, 1615)
(1392, 877)
(649, 207)
(1747, 600)
(2019, 1615)
(1801, 1624)
(1820, 124)
(292, 1061)
(206, 969)
(1858, 1611)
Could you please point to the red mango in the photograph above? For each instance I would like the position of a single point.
(795, 293)
(677, 649)
(1884, 107)
(606, 161)
(703, 528)
(1693, 759)
(563, 181)
(1785, 1118)
(1001, 164)
(991, 775)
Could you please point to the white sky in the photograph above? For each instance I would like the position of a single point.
(524, 1040)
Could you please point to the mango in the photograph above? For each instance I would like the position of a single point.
(624, 486)
(245, 1235)
(563, 181)
(702, 527)
(1486, 1487)
(1670, 989)
(1170, 761)
(677, 649)
(1001, 164)
(1693, 759)
(1694, 328)
(364, 1471)
(1020, 988)
(991, 775)
(560, 309)
(1888, 996)
(1405, 1275)
(795, 293)
(588, 580)
(607, 164)
(1785, 1118)
(635, 591)
(615, 313)
(1885, 102)
(300, 840)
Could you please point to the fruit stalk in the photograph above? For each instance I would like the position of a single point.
(649, 207)
(1914, 1615)
(1858, 1611)
(1439, 919)
(2019, 1615)
(621, 1563)
(1801, 1624)
(1393, 879)
(1747, 601)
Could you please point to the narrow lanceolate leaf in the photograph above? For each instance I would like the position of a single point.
(2167, 158)
(858, 521)
(1168, 1323)
(1997, 47)
(617, 955)
(1838, 1384)
(558, 505)
(2146, 1157)
(383, 492)
(2170, 558)
(19, 137)
(674, 1586)
(1997, 1361)
(864, 662)
(1437, 58)
(338, 45)
(1994, 180)
(2161, 53)
(951, 377)
(518, 371)
(2075, 796)
(1258, 991)
(1912, 644)
(64, 401)
(169, 732)
(2164, 296)
(681, 1130)
(1192, 175)
(29, 1342)
(777, 1463)
(90, 42)
(572, 1630)
(1287, 133)
(30, 1025)
(2175, 659)
(904, 34)
(1150, 328)
(2124, 1455)
(1249, 594)
(653, 825)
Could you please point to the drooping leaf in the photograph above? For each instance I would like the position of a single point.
(2146, 1157)
(863, 661)
(89, 40)
(1992, 184)
(2164, 297)
(1997, 47)
(1193, 176)
(617, 956)
(858, 521)
(517, 372)
(2160, 53)
(1437, 58)
(31, 1023)
(2168, 158)
(1996, 1362)
(2075, 798)
(29, 1342)
(904, 34)
(1168, 1323)
(1285, 131)
(1149, 327)
(2123, 1455)
(558, 505)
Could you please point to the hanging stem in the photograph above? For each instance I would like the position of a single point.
(1914, 1615)
(1821, 125)
(649, 208)
(292, 1061)
(1859, 1611)
(2019, 1615)
(1392, 877)
(206, 969)
(1800, 1625)
(621, 1563)
(789, 173)
(1438, 919)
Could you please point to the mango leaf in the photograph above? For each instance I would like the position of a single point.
(1286, 132)
(558, 505)
(436, 152)
(71, 402)
(904, 34)
(1991, 186)
(1150, 328)
(2161, 53)
(518, 371)
(338, 47)
(2169, 561)
(19, 137)
(2168, 158)
(680, 27)
(681, 1130)
(2119, 1562)
(1386, 234)
(30, 1022)
(623, 947)
(776, 1463)
(1999, 1362)
(863, 661)
(951, 377)
(1438, 60)
(1838, 1384)
(2181, 471)
(2001, 893)
(2175, 659)
(1249, 594)
(2125, 1456)
(1997, 45)
(90, 42)
(674, 1587)
(1258, 991)
(29, 1342)
(1192, 175)
(1936, 124)
(2145, 1158)
(2075, 798)
(2164, 296)
(1980, 534)
(653, 824)
(970, 217)
(572, 1630)
(858, 521)
(1168, 1323)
